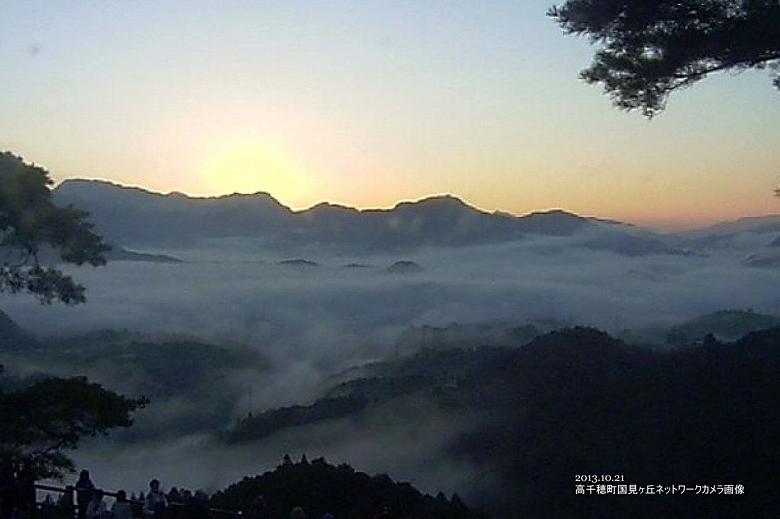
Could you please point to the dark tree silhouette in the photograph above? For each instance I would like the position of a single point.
(650, 48)
(30, 224)
(40, 421)
(319, 487)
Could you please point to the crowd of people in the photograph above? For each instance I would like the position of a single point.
(90, 502)
(18, 500)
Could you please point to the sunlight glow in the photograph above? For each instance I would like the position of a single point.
(248, 163)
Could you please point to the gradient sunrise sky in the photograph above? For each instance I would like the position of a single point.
(369, 102)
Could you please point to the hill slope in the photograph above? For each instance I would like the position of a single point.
(578, 401)
(138, 218)
(321, 488)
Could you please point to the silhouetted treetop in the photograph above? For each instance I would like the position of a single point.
(319, 487)
(649, 49)
(29, 224)
(42, 420)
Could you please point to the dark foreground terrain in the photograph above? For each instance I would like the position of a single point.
(578, 402)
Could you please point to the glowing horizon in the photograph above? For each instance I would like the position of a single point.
(365, 105)
(655, 223)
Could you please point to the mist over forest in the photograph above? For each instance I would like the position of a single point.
(252, 347)
(389, 260)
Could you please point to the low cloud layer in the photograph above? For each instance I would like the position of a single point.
(313, 321)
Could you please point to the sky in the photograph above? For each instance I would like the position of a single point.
(366, 103)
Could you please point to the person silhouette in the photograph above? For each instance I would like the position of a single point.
(155, 502)
(84, 490)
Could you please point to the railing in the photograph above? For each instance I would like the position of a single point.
(70, 492)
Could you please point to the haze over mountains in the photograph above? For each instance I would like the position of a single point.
(252, 266)
(139, 218)
(501, 415)
(407, 358)
(376, 336)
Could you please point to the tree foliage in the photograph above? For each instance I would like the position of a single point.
(253, 427)
(651, 48)
(577, 401)
(40, 421)
(319, 487)
(31, 224)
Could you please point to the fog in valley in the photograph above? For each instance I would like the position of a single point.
(306, 323)
(389, 260)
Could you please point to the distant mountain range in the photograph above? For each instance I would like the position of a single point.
(133, 217)
(756, 224)
(139, 219)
